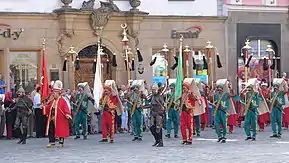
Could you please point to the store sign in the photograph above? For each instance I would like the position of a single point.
(192, 32)
(7, 32)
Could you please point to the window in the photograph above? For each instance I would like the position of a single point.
(24, 69)
(256, 69)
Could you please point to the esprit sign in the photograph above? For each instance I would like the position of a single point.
(189, 33)
(7, 32)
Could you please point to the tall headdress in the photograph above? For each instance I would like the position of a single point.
(224, 83)
(57, 86)
(111, 84)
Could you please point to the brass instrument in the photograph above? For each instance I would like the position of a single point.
(135, 104)
(273, 100)
(170, 103)
(79, 104)
(218, 104)
(248, 103)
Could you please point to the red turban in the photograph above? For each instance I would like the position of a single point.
(187, 85)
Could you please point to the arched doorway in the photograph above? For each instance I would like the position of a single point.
(86, 57)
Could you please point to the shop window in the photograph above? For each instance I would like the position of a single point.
(24, 69)
(258, 51)
(161, 66)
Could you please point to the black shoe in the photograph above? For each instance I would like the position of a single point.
(279, 136)
(103, 140)
(248, 138)
(135, 138)
(188, 143)
(160, 144)
(21, 140)
(223, 140)
(253, 139)
(111, 141)
(77, 137)
(139, 139)
(85, 137)
(198, 135)
(168, 136)
(156, 143)
(184, 142)
(194, 133)
(219, 139)
(274, 136)
(176, 136)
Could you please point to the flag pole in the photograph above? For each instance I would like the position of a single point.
(270, 51)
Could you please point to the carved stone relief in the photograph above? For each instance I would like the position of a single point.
(60, 41)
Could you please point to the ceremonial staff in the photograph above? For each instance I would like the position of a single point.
(247, 59)
(128, 56)
(187, 52)
(270, 52)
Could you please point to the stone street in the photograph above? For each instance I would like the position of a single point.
(204, 149)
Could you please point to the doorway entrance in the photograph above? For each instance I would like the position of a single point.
(87, 56)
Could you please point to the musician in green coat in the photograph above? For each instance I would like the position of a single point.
(251, 113)
(136, 112)
(277, 103)
(80, 110)
(220, 112)
(173, 114)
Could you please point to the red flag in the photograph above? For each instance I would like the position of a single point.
(44, 78)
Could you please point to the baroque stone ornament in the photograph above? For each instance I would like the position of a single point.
(99, 19)
(88, 5)
(66, 3)
(60, 41)
(134, 4)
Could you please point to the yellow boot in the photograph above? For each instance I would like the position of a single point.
(60, 146)
(50, 145)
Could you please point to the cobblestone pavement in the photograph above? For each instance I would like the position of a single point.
(204, 149)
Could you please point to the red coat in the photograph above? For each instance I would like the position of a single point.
(61, 123)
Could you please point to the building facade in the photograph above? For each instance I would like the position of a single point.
(21, 44)
(263, 23)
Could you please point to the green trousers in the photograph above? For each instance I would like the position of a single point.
(137, 123)
(220, 119)
(250, 121)
(197, 118)
(276, 117)
(80, 119)
(173, 118)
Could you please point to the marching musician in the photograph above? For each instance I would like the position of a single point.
(80, 112)
(137, 97)
(173, 113)
(220, 112)
(58, 115)
(251, 112)
(157, 110)
(188, 100)
(108, 104)
(276, 111)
